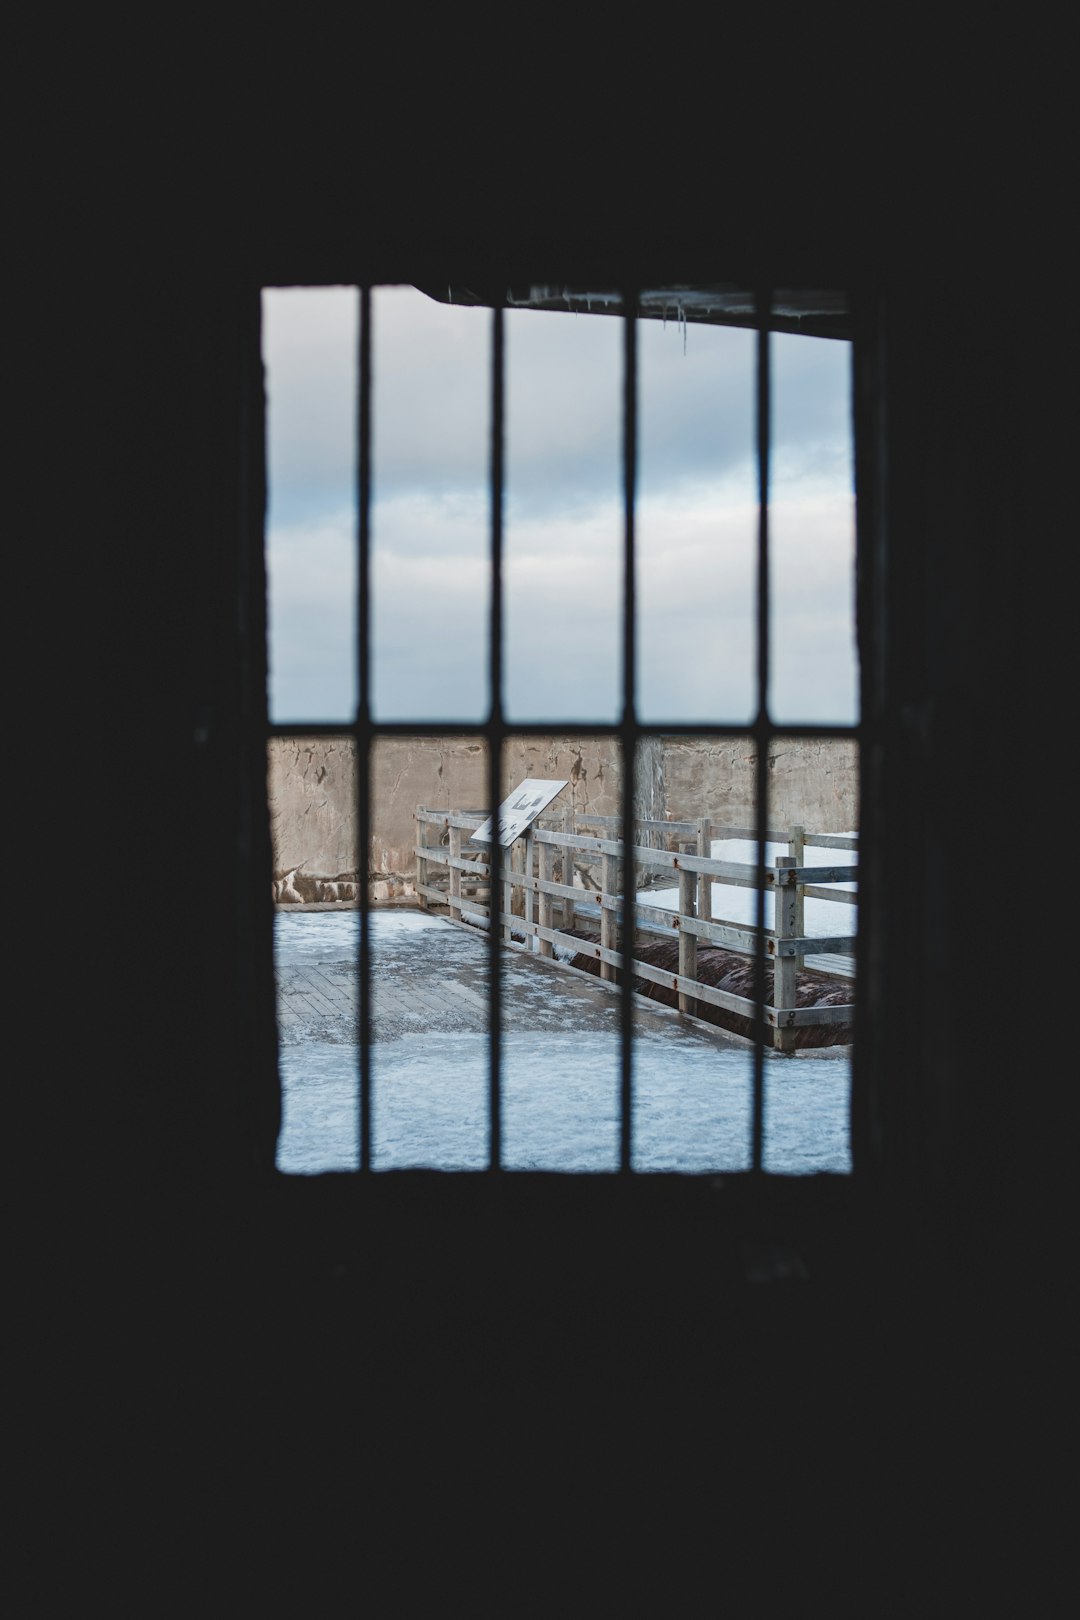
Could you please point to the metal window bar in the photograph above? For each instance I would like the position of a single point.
(763, 302)
(495, 734)
(629, 720)
(363, 708)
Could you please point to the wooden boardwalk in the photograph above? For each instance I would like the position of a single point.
(436, 979)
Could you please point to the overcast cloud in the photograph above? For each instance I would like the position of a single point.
(697, 516)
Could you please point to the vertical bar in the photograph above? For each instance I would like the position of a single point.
(515, 906)
(763, 301)
(363, 738)
(455, 874)
(506, 893)
(797, 849)
(704, 895)
(629, 713)
(495, 734)
(785, 902)
(545, 907)
(568, 909)
(628, 897)
(687, 942)
(609, 899)
(421, 861)
(529, 907)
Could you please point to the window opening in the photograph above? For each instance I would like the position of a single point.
(690, 722)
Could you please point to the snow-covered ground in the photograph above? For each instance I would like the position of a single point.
(560, 1085)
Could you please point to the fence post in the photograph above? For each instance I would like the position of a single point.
(609, 929)
(797, 850)
(528, 900)
(506, 888)
(687, 941)
(568, 910)
(546, 907)
(455, 874)
(704, 885)
(421, 862)
(785, 904)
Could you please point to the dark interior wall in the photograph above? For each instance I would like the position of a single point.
(230, 1359)
(966, 498)
(168, 635)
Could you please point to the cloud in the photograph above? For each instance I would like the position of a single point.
(309, 354)
(696, 515)
(312, 620)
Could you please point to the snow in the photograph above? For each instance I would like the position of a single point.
(560, 1085)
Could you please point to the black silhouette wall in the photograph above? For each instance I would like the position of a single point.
(227, 1362)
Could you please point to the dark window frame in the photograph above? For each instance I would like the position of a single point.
(628, 730)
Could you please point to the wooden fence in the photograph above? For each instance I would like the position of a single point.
(539, 900)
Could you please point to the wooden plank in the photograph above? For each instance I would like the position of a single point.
(740, 873)
(847, 897)
(797, 850)
(307, 984)
(512, 920)
(609, 933)
(462, 863)
(810, 1017)
(687, 941)
(704, 886)
(546, 909)
(578, 840)
(521, 880)
(455, 871)
(701, 992)
(505, 868)
(662, 921)
(421, 868)
(528, 848)
(569, 894)
(837, 967)
(827, 874)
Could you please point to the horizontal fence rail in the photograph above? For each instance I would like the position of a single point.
(558, 877)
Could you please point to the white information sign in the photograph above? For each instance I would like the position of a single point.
(520, 810)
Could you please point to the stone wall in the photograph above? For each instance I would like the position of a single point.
(812, 783)
(312, 791)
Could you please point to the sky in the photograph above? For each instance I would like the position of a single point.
(563, 517)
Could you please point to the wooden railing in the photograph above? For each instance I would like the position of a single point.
(539, 900)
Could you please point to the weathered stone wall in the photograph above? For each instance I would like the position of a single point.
(812, 783)
(313, 799)
(311, 783)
